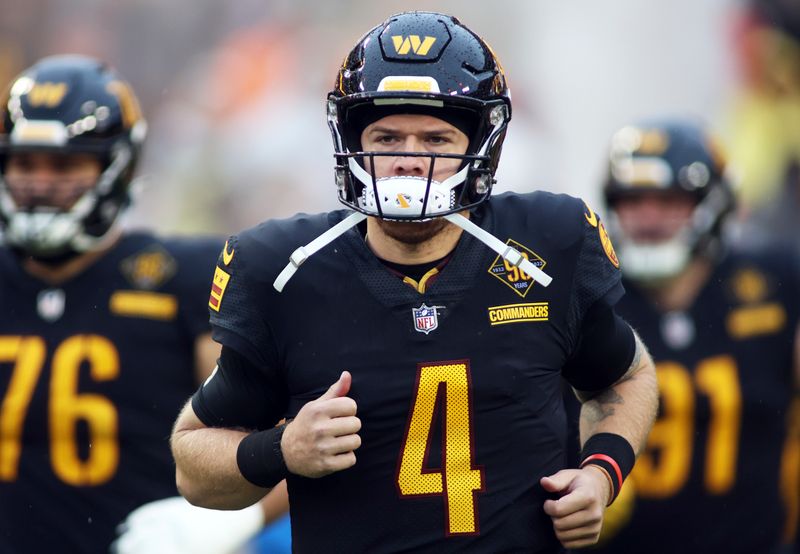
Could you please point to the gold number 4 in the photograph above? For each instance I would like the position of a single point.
(672, 435)
(66, 406)
(459, 479)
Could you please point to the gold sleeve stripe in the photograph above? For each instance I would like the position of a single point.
(151, 305)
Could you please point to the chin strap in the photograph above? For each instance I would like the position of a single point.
(304, 252)
(507, 252)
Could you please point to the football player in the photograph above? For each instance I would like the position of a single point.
(419, 357)
(721, 325)
(105, 333)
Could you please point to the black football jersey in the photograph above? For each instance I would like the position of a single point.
(709, 478)
(92, 375)
(458, 387)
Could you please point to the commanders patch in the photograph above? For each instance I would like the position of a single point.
(138, 303)
(608, 248)
(149, 269)
(753, 321)
(218, 286)
(519, 313)
(519, 281)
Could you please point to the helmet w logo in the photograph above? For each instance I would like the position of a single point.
(47, 94)
(412, 43)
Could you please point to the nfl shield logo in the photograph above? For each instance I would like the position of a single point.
(425, 318)
(50, 304)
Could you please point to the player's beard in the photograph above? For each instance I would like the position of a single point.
(414, 232)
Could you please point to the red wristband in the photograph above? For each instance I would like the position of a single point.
(611, 461)
(614, 454)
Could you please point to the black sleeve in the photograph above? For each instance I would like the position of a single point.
(237, 306)
(597, 279)
(606, 347)
(240, 394)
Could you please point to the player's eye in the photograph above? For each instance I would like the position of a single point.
(22, 163)
(387, 139)
(438, 139)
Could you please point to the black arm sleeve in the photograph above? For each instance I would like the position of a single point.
(241, 394)
(605, 350)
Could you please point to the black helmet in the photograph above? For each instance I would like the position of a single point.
(428, 63)
(70, 104)
(669, 155)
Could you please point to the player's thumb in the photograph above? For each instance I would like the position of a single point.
(558, 481)
(340, 388)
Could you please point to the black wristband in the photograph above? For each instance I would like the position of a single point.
(260, 458)
(614, 454)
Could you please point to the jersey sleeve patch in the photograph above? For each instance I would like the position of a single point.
(150, 268)
(608, 248)
(605, 240)
(218, 286)
(516, 279)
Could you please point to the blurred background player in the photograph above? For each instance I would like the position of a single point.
(105, 333)
(217, 78)
(764, 120)
(720, 325)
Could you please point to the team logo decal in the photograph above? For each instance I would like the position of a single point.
(519, 281)
(48, 95)
(218, 286)
(404, 42)
(605, 240)
(149, 269)
(403, 45)
(50, 304)
(426, 318)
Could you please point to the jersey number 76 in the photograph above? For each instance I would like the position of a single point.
(66, 407)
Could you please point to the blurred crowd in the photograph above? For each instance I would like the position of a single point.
(233, 92)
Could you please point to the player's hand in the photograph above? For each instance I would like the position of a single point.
(322, 438)
(173, 526)
(578, 514)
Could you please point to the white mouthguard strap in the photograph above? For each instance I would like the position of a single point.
(508, 253)
(304, 252)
